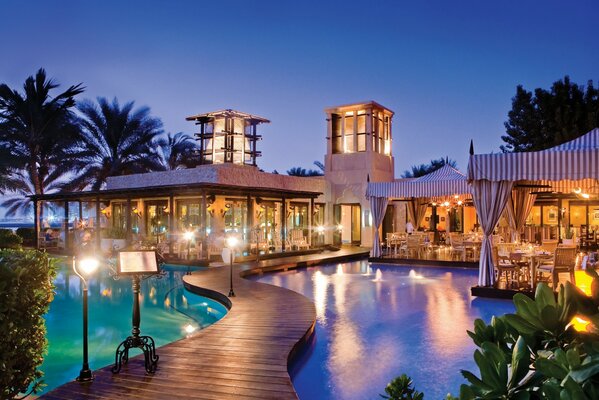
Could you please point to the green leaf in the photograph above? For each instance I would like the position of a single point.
(521, 324)
(550, 368)
(585, 371)
(520, 362)
(544, 296)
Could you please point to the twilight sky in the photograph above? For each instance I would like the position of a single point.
(448, 69)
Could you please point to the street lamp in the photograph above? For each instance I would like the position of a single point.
(85, 267)
(231, 243)
(188, 236)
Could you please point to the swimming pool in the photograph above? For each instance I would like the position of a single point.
(166, 310)
(412, 320)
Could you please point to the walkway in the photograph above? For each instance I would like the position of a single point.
(242, 356)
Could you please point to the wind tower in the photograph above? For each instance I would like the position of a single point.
(228, 136)
(359, 139)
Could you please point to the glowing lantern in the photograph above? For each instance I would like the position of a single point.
(583, 282)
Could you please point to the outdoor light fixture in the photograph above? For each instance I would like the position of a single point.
(340, 227)
(585, 196)
(577, 190)
(231, 244)
(320, 229)
(584, 283)
(85, 267)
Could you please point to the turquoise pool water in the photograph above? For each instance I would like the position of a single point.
(166, 309)
(368, 331)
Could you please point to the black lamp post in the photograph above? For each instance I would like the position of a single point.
(188, 236)
(231, 243)
(85, 266)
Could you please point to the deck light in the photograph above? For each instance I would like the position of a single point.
(231, 244)
(583, 282)
(85, 267)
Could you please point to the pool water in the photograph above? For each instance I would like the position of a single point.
(166, 310)
(412, 320)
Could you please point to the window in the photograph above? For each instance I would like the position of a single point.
(361, 132)
(349, 133)
(336, 134)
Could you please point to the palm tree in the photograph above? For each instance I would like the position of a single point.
(299, 171)
(424, 169)
(115, 141)
(40, 130)
(178, 151)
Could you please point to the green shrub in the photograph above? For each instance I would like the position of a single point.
(9, 240)
(28, 236)
(536, 353)
(401, 389)
(26, 290)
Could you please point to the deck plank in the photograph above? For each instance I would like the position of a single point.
(243, 356)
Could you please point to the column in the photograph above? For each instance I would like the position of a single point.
(36, 223)
(98, 226)
(311, 222)
(67, 243)
(128, 222)
(171, 223)
(203, 218)
(283, 223)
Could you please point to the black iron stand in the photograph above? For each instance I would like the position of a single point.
(85, 375)
(145, 343)
(231, 292)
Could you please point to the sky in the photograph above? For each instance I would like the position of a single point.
(447, 68)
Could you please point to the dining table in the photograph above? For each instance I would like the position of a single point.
(534, 258)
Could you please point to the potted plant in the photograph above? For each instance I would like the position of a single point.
(569, 237)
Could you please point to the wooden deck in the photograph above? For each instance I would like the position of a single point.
(242, 356)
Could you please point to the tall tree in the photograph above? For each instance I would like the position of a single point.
(178, 151)
(115, 141)
(299, 171)
(423, 169)
(40, 129)
(547, 118)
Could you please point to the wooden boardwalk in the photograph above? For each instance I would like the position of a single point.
(242, 356)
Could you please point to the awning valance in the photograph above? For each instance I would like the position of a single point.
(446, 181)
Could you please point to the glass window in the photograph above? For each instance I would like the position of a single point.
(336, 134)
(361, 133)
(349, 134)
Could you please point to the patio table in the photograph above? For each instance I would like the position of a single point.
(534, 260)
(473, 245)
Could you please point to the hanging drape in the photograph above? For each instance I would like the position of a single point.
(490, 199)
(417, 209)
(378, 207)
(518, 207)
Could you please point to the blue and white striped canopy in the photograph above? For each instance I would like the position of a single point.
(446, 181)
(575, 164)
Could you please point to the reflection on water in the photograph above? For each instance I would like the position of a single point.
(414, 320)
(168, 313)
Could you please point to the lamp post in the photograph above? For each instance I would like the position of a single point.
(85, 266)
(231, 243)
(188, 236)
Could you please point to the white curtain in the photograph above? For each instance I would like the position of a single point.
(416, 210)
(490, 199)
(378, 207)
(518, 207)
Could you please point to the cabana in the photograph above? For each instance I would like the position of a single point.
(445, 181)
(569, 167)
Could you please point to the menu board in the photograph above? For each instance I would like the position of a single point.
(137, 263)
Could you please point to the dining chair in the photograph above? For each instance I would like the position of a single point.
(503, 267)
(564, 261)
(549, 245)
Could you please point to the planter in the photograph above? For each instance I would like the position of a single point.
(568, 242)
(106, 245)
(119, 244)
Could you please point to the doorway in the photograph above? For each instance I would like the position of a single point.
(347, 218)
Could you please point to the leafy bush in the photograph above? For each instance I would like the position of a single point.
(536, 353)
(9, 240)
(28, 236)
(26, 290)
(401, 389)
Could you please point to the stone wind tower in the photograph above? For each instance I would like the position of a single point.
(359, 138)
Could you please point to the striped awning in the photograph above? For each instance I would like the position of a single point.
(577, 160)
(446, 181)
